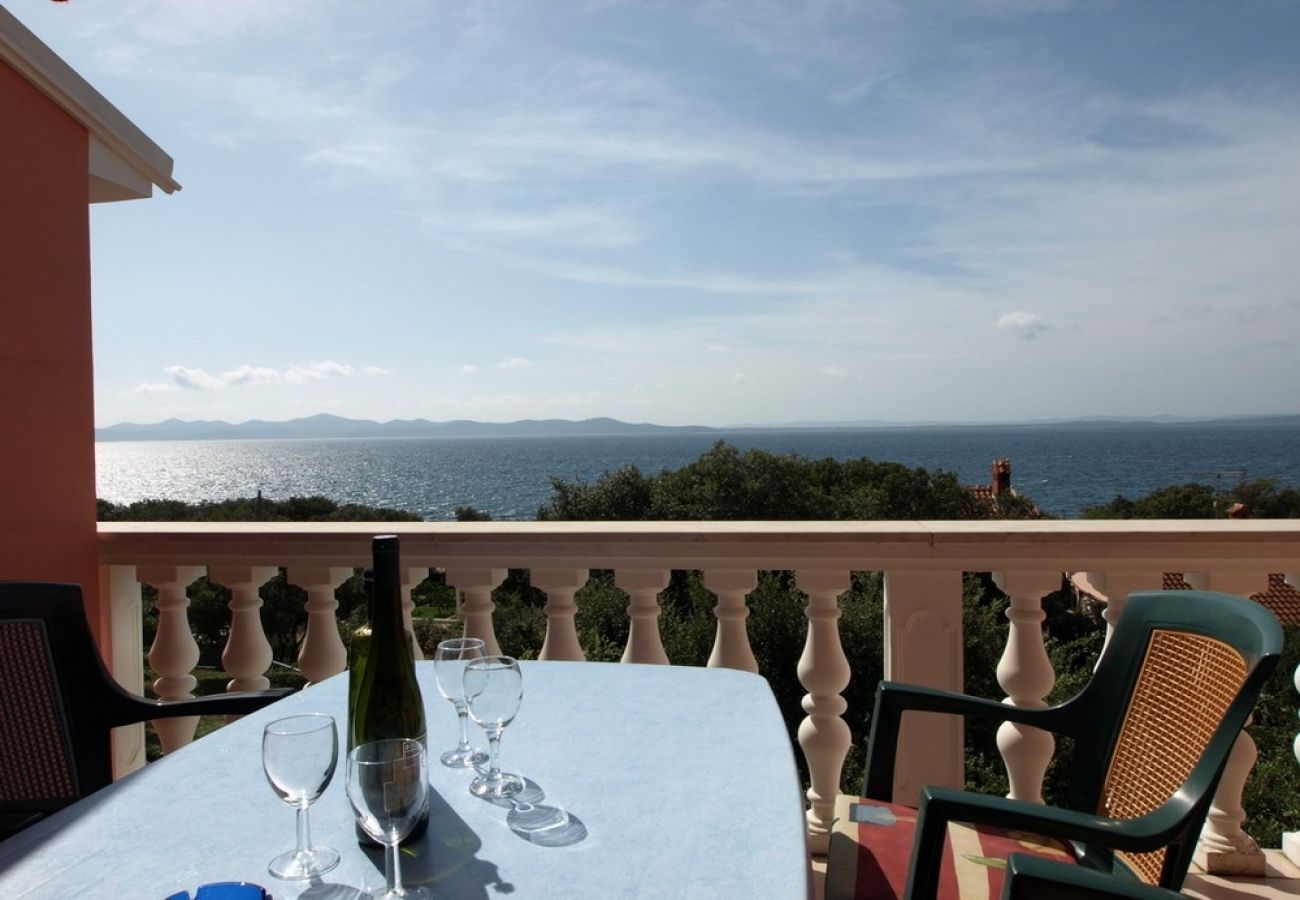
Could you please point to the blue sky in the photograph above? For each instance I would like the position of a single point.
(698, 212)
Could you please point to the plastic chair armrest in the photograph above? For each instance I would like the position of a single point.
(127, 708)
(939, 806)
(1035, 878)
(233, 704)
(894, 698)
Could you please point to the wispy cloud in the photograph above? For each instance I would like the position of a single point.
(1024, 325)
(194, 379)
(804, 195)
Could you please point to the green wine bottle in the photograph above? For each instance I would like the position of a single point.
(358, 653)
(383, 697)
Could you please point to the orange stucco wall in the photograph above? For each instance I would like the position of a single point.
(47, 414)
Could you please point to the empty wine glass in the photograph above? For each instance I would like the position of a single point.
(387, 784)
(449, 662)
(493, 689)
(299, 754)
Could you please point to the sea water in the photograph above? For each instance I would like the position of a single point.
(1063, 468)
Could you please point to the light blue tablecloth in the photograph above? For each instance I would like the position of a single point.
(683, 781)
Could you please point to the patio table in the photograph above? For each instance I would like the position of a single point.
(679, 782)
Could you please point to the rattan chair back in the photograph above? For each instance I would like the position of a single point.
(1169, 697)
(37, 769)
(59, 704)
(1185, 686)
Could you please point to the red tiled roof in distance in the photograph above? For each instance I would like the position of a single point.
(1280, 599)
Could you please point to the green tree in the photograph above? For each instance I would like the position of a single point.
(1263, 498)
(1266, 498)
(470, 514)
(249, 509)
(728, 484)
(1183, 501)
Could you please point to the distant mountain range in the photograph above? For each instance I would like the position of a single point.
(331, 426)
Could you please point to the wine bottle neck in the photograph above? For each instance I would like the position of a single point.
(386, 595)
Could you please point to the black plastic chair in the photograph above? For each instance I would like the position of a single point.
(58, 703)
(1152, 732)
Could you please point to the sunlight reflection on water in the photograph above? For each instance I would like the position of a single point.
(1062, 468)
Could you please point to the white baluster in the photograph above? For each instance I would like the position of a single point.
(248, 653)
(824, 673)
(644, 645)
(125, 658)
(410, 579)
(322, 653)
(731, 648)
(174, 653)
(1224, 848)
(1025, 673)
(477, 583)
(1291, 839)
(1115, 588)
(561, 641)
(923, 645)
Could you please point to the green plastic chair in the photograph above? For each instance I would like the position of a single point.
(1034, 878)
(1152, 731)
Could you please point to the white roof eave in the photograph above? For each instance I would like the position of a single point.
(123, 163)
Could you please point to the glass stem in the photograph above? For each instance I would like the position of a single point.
(463, 712)
(392, 872)
(304, 831)
(494, 746)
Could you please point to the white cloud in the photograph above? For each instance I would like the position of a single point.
(514, 362)
(248, 375)
(376, 371)
(192, 379)
(835, 371)
(589, 227)
(155, 388)
(1024, 325)
(739, 378)
(468, 369)
(318, 372)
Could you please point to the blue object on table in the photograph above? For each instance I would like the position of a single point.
(225, 890)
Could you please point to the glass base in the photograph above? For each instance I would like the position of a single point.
(506, 785)
(296, 866)
(528, 820)
(404, 893)
(469, 758)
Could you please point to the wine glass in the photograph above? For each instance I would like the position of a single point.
(449, 662)
(299, 754)
(387, 786)
(493, 689)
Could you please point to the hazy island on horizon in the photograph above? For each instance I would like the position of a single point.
(327, 425)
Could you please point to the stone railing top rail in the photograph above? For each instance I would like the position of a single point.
(1171, 545)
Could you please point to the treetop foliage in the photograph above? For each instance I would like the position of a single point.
(1263, 498)
(249, 509)
(728, 484)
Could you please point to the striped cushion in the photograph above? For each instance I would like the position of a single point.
(871, 847)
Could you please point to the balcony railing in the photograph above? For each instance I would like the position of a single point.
(922, 562)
